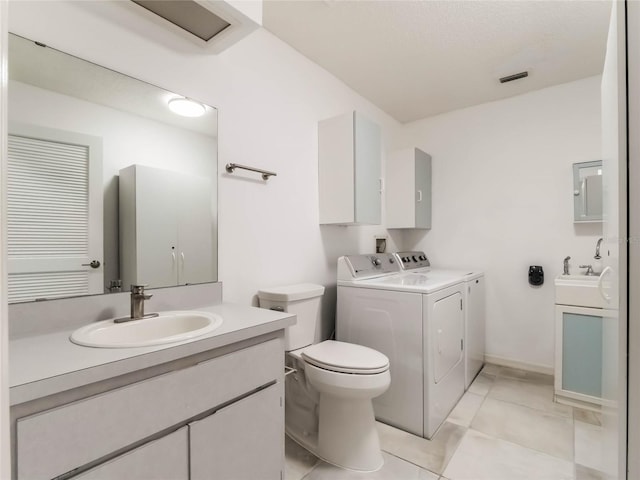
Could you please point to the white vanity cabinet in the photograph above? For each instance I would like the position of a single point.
(408, 197)
(349, 170)
(219, 417)
(166, 235)
(579, 347)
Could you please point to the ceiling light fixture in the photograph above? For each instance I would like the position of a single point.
(186, 107)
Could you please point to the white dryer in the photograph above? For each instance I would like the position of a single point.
(475, 316)
(415, 320)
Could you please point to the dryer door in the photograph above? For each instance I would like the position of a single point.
(447, 331)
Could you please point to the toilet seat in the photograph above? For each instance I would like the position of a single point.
(344, 357)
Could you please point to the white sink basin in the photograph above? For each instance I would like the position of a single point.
(168, 327)
(579, 290)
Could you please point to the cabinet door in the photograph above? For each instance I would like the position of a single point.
(195, 230)
(349, 168)
(423, 189)
(157, 239)
(582, 353)
(243, 441)
(164, 459)
(367, 152)
(148, 227)
(336, 175)
(409, 189)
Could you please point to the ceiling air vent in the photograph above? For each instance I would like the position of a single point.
(214, 25)
(516, 76)
(188, 15)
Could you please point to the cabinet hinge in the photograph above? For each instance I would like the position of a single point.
(280, 401)
(460, 304)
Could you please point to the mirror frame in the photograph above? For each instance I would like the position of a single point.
(580, 194)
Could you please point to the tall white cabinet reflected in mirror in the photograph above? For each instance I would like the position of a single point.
(165, 236)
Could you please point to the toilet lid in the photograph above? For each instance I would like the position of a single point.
(346, 358)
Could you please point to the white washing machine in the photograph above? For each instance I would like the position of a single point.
(475, 309)
(415, 320)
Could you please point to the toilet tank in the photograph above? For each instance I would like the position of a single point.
(304, 301)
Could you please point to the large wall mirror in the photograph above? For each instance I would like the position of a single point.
(587, 191)
(106, 185)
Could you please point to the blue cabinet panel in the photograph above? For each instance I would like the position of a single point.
(582, 353)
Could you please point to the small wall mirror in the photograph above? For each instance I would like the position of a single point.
(587, 191)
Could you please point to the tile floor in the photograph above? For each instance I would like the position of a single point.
(505, 427)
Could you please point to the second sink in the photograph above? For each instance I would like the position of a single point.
(579, 290)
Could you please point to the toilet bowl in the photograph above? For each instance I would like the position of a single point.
(348, 377)
(334, 380)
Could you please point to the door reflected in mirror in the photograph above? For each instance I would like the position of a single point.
(73, 128)
(587, 191)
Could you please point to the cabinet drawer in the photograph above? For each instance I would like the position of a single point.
(164, 459)
(56, 441)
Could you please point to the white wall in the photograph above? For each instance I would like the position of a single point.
(127, 139)
(502, 171)
(502, 200)
(270, 99)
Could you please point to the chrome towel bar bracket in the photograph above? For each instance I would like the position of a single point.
(265, 173)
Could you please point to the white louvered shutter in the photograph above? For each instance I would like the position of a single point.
(48, 215)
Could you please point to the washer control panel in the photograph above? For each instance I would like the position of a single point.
(375, 264)
(411, 260)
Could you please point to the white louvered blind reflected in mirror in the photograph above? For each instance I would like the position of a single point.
(48, 228)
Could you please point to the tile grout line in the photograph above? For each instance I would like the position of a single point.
(529, 408)
(412, 463)
(467, 428)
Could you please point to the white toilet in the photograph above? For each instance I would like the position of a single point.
(334, 382)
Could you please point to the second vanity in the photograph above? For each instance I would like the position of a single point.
(210, 407)
(580, 321)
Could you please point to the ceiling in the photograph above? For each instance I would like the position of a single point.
(57, 71)
(415, 59)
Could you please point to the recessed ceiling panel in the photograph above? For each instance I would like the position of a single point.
(188, 15)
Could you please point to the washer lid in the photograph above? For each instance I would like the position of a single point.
(346, 358)
(290, 293)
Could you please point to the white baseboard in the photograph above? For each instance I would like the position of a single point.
(507, 362)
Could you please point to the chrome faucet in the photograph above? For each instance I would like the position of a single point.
(589, 269)
(566, 265)
(137, 305)
(597, 255)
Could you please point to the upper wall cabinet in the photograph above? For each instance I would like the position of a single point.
(166, 236)
(349, 170)
(587, 191)
(409, 189)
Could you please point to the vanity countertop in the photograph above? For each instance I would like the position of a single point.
(46, 364)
